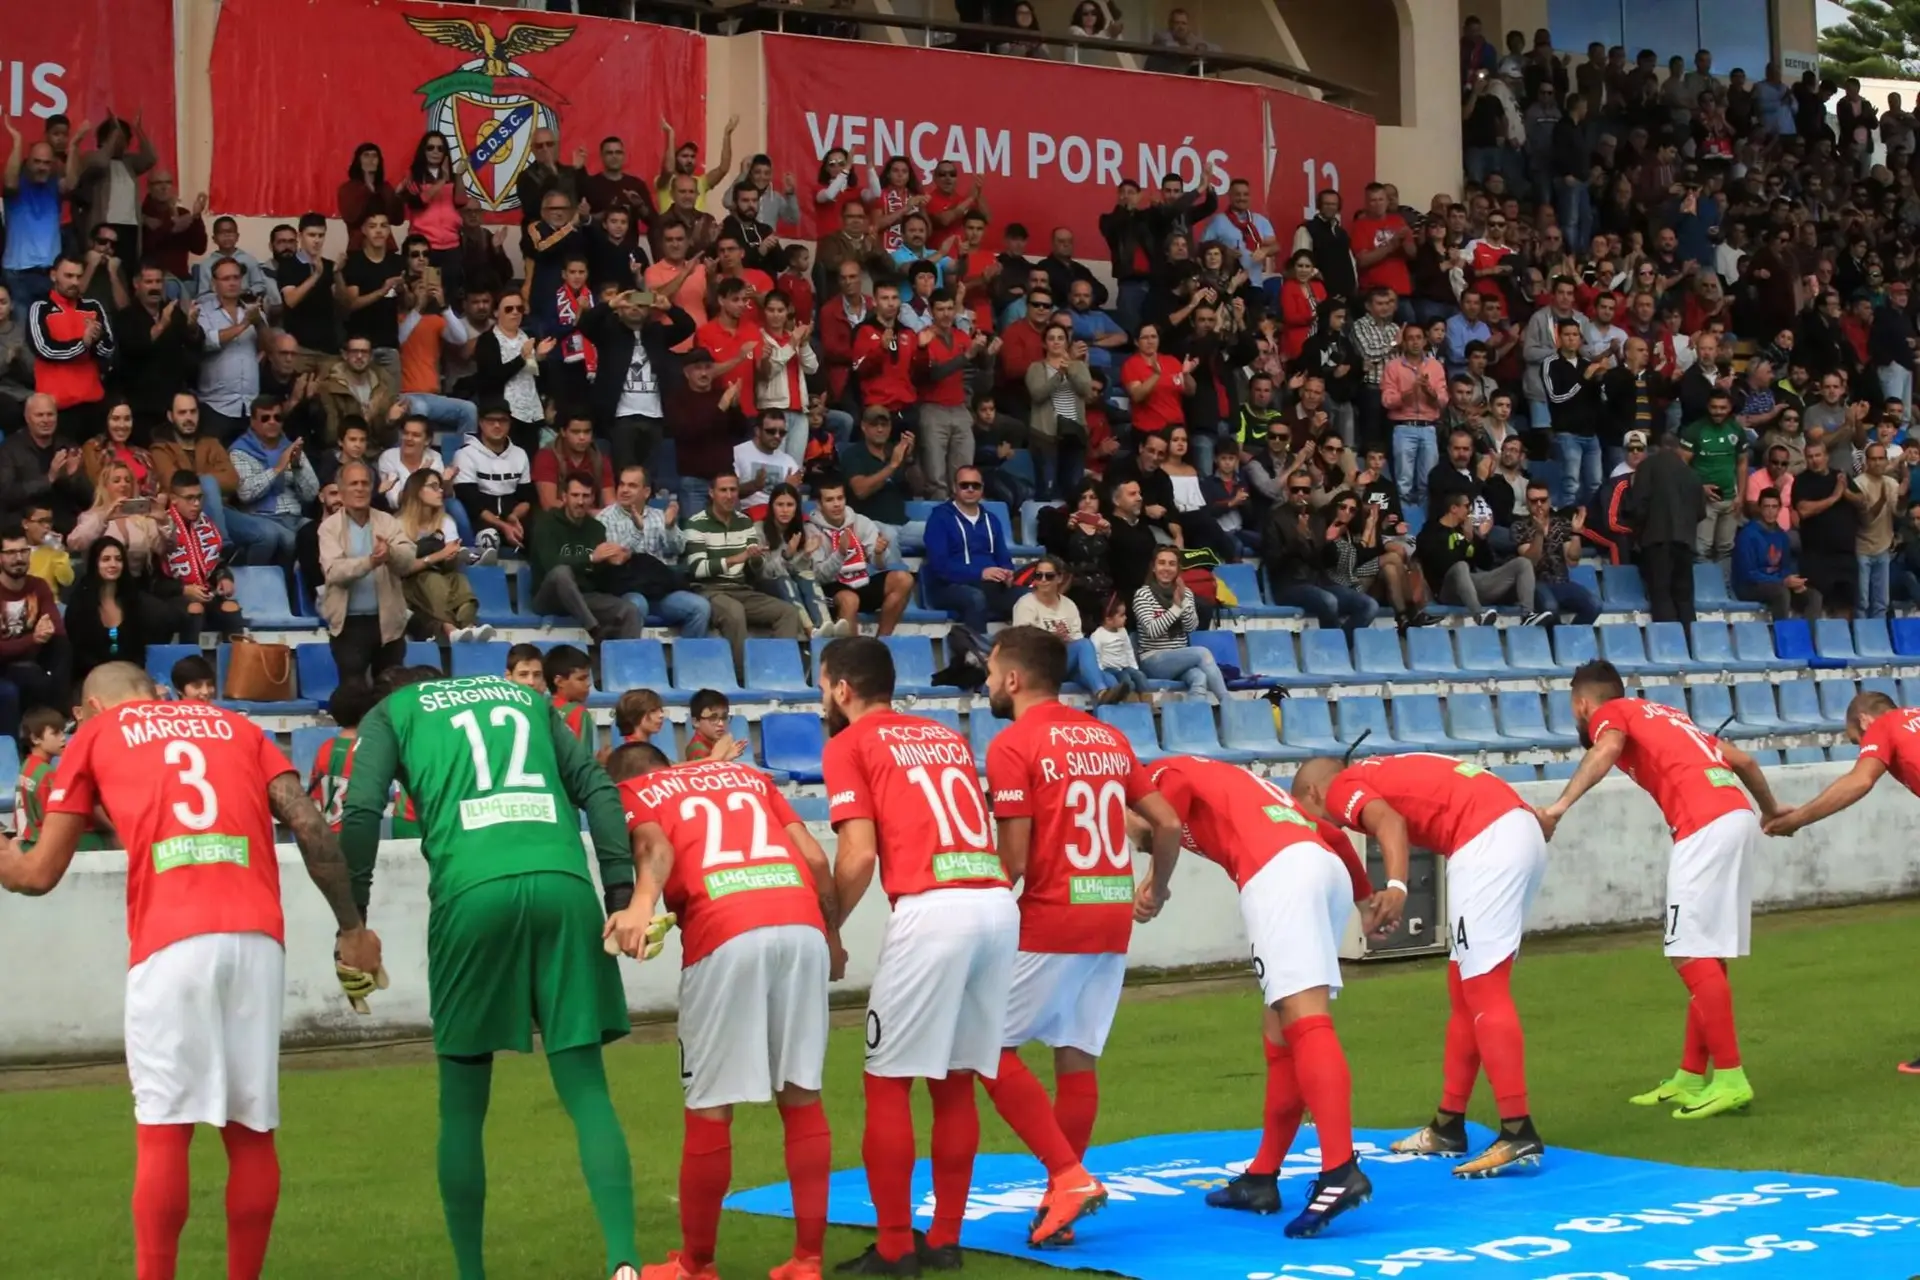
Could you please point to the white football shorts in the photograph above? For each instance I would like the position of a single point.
(1295, 909)
(1064, 1000)
(753, 1017)
(1710, 889)
(203, 1031)
(939, 998)
(1491, 882)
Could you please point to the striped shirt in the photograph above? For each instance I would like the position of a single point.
(709, 543)
(1161, 629)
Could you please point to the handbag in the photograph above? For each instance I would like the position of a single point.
(260, 672)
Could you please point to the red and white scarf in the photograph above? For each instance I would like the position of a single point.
(1249, 230)
(570, 307)
(196, 550)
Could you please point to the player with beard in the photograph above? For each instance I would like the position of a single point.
(1696, 780)
(1062, 783)
(904, 794)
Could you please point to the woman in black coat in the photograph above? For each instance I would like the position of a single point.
(108, 615)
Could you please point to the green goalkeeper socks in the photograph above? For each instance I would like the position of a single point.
(466, 1084)
(580, 1078)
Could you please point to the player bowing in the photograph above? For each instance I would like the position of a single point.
(1889, 740)
(904, 794)
(194, 791)
(1696, 780)
(1495, 857)
(759, 939)
(1062, 783)
(1295, 897)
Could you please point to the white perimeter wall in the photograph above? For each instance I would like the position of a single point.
(67, 951)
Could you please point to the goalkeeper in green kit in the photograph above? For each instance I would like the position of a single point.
(514, 933)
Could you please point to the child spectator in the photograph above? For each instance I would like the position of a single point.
(333, 762)
(639, 715)
(527, 666)
(193, 680)
(578, 360)
(797, 282)
(50, 562)
(708, 713)
(43, 731)
(570, 679)
(1114, 647)
(191, 548)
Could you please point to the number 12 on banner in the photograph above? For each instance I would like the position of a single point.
(1320, 175)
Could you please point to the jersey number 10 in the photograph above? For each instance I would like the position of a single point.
(946, 803)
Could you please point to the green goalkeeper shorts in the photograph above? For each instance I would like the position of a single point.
(524, 951)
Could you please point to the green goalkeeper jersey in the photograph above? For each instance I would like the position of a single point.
(497, 780)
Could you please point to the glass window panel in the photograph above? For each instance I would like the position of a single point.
(1667, 27)
(1736, 31)
(1577, 23)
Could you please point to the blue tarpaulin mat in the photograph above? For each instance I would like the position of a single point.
(1579, 1216)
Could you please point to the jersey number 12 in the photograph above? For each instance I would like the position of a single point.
(501, 717)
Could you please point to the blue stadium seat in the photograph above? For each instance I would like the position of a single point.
(1417, 721)
(1307, 726)
(307, 741)
(1516, 773)
(1713, 707)
(9, 774)
(1834, 697)
(1753, 703)
(812, 809)
(1625, 646)
(1558, 770)
(1530, 652)
(1574, 645)
(1621, 588)
(489, 583)
(791, 741)
(1883, 685)
(1667, 695)
(487, 658)
(1519, 716)
(1357, 716)
(634, 664)
(1765, 757)
(1793, 641)
(1585, 575)
(161, 657)
(1030, 518)
(1430, 652)
(1135, 719)
(1271, 657)
(1800, 708)
(1805, 755)
(1667, 646)
(982, 727)
(1223, 645)
(1560, 719)
(1910, 692)
(1247, 725)
(1251, 602)
(1470, 720)
(1713, 647)
(1710, 593)
(1323, 652)
(1871, 641)
(1020, 549)
(1753, 648)
(913, 666)
(313, 665)
(773, 665)
(1843, 753)
(948, 717)
(1377, 656)
(1906, 637)
(261, 590)
(1480, 652)
(1020, 463)
(425, 653)
(708, 664)
(1187, 729)
(1833, 642)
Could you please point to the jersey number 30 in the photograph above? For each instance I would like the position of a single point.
(1102, 814)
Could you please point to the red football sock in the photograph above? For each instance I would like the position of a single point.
(956, 1140)
(1075, 1106)
(1022, 1102)
(1713, 997)
(253, 1193)
(1503, 1046)
(809, 1165)
(1462, 1064)
(160, 1197)
(706, 1167)
(1281, 1112)
(1326, 1086)
(886, 1148)
(1693, 1057)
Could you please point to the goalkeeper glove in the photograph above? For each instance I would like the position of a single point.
(656, 939)
(358, 984)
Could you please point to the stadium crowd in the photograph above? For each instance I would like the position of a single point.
(1667, 320)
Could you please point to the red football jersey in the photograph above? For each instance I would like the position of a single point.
(1894, 740)
(1445, 802)
(1230, 816)
(185, 785)
(1075, 778)
(917, 782)
(734, 869)
(1674, 761)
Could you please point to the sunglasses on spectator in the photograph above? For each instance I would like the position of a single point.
(1048, 576)
(1299, 488)
(1040, 306)
(1636, 448)
(965, 485)
(106, 241)
(416, 253)
(267, 417)
(508, 309)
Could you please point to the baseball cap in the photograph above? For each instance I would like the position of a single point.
(1636, 440)
(495, 407)
(699, 355)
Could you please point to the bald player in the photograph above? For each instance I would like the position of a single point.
(1889, 740)
(1495, 856)
(1696, 780)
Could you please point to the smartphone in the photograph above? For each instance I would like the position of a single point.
(248, 298)
(136, 506)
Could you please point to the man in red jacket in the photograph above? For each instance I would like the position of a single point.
(72, 342)
(883, 353)
(840, 318)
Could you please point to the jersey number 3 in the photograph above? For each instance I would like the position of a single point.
(192, 763)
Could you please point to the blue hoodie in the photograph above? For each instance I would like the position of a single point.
(1761, 554)
(958, 549)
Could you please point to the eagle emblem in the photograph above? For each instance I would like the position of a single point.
(490, 106)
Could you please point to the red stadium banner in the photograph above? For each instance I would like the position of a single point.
(1051, 141)
(1312, 146)
(299, 84)
(86, 60)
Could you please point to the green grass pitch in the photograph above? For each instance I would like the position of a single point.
(1825, 1012)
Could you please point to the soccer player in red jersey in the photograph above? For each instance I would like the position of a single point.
(1295, 898)
(1696, 780)
(904, 793)
(1062, 784)
(760, 937)
(194, 791)
(1495, 856)
(1889, 740)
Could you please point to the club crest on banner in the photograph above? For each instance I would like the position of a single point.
(490, 106)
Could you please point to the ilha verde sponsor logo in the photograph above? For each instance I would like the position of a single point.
(776, 875)
(1100, 890)
(1722, 778)
(1283, 813)
(967, 866)
(199, 851)
(510, 806)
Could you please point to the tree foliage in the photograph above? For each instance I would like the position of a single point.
(1880, 39)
